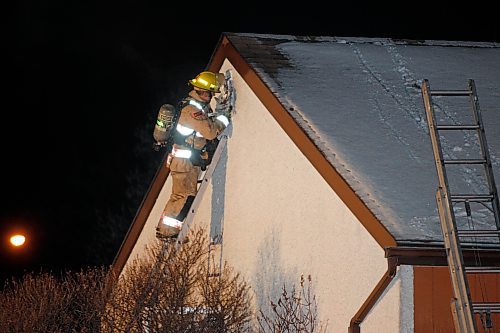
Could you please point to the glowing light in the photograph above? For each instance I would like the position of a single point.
(17, 240)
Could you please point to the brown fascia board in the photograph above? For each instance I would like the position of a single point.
(141, 217)
(436, 256)
(225, 49)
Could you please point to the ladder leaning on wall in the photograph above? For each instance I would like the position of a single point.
(174, 244)
(455, 238)
(203, 184)
(215, 242)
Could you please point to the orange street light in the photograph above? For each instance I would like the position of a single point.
(17, 240)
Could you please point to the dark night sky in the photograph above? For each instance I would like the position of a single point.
(84, 80)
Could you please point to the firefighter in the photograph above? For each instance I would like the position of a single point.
(189, 154)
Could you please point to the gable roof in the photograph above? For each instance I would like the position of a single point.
(359, 101)
(353, 107)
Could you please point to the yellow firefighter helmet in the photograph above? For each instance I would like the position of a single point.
(208, 81)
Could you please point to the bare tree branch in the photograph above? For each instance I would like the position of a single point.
(294, 311)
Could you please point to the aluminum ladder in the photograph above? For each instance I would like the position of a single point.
(215, 243)
(463, 309)
(174, 244)
(203, 184)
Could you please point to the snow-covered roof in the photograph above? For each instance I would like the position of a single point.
(359, 100)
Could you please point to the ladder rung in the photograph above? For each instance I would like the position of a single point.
(457, 127)
(214, 275)
(483, 270)
(478, 233)
(484, 306)
(471, 197)
(465, 161)
(450, 92)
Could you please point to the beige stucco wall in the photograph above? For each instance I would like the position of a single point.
(281, 219)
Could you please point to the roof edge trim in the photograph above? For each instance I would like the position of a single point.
(436, 256)
(141, 217)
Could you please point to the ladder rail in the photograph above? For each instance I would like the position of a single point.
(215, 247)
(485, 152)
(461, 305)
(435, 141)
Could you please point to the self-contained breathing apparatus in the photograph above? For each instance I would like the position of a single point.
(166, 120)
(167, 132)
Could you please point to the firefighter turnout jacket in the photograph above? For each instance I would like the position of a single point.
(193, 130)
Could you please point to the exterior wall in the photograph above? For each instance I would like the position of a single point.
(394, 311)
(281, 220)
(433, 293)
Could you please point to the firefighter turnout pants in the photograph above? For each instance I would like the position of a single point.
(184, 188)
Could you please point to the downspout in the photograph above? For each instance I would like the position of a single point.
(379, 289)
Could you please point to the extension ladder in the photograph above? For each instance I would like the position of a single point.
(203, 184)
(174, 244)
(463, 309)
(215, 243)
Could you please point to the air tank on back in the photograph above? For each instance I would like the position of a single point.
(164, 124)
